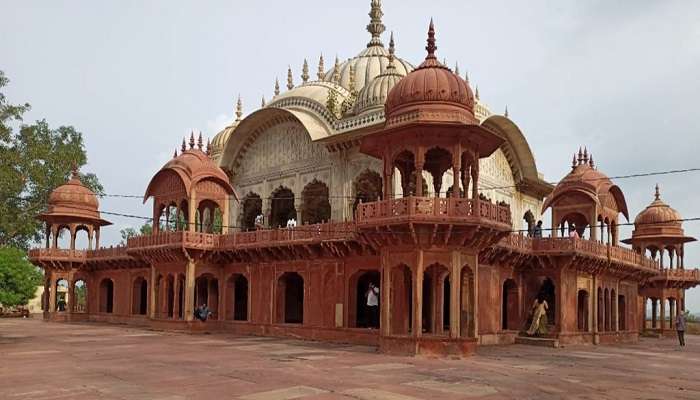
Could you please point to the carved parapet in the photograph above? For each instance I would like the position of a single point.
(57, 258)
(676, 278)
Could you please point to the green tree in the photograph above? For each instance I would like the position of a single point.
(18, 277)
(146, 229)
(34, 160)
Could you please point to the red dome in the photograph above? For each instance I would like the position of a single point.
(433, 90)
(73, 200)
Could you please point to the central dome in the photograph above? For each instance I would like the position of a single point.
(371, 61)
(434, 89)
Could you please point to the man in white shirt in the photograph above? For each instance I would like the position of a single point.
(373, 305)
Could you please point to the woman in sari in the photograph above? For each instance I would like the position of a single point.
(539, 317)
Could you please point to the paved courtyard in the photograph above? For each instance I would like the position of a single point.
(43, 360)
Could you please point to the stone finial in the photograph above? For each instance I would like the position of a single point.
(657, 193)
(239, 109)
(476, 92)
(456, 68)
(590, 161)
(184, 146)
(191, 140)
(431, 47)
(585, 155)
(262, 103)
(580, 156)
(208, 147)
(290, 79)
(392, 51)
(200, 143)
(305, 72)
(321, 69)
(466, 76)
(505, 113)
(375, 27)
(277, 87)
(336, 70)
(175, 154)
(573, 161)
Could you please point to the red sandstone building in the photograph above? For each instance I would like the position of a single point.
(452, 271)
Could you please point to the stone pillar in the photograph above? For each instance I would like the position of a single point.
(419, 179)
(455, 305)
(596, 328)
(644, 315)
(418, 296)
(616, 309)
(225, 216)
(192, 212)
(663, 314)
(455, 180)
(385, 317)
(176, 298)
(654, 314)
(189, 290)
(52, 293)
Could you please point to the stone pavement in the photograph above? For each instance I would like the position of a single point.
(41, 360)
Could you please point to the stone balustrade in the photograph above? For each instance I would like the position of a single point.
(431, 209)
(59, 255)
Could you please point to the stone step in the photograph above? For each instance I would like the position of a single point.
(537, 341)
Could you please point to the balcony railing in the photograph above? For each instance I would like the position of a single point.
(430, 208)
(108, 252)
(57, 254)
(692, 275)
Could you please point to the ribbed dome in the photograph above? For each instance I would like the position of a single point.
(374, 94)
(366, 66)
(433, 88)
(658, 212)
(371, 61)
(73, 200)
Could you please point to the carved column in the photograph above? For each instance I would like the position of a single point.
(654, 311)
(418, 296)
(385, 293)
(189, 290)
(663, 314)
(455, 286)
(419, 179)
(52, 293)
(154, 293)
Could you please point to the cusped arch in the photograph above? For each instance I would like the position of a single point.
(247, 131)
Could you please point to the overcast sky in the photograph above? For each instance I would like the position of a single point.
(619, 77)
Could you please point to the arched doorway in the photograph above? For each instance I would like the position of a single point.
(252, 207)
(622, 313)
(437, 161)
(170, 293)
(282, 207)
(139, 304)
(601, 310)
(361, 314)
(237, 286)
(613, 310)
(316, 207)
(433, 299)
(510, 306)
(80, 296)
(548, 293)
(366, 187)
(582, 310)
(401, 300)
(107, 296)
(61, 295)
(606, 308)
(404, 162)
(290, 298)
(206, 289)
(181, 296)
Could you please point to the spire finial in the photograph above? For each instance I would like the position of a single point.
(321, 69)
(184, 146)
(466, 76)
(573, 161)
(200, 143)
(208, 147)
(277, 87)
(392, 51)
(431, 47)
(262, 103)
(191, 140)
(590, 161)
(457, 68)
(305, 71)
(580, 156)
(290, 78)
(175, 154)
(375, 27)
(336, 70)
(505, 114)
(585, 155)
(239, 109)
(476, 92)
(657, 194)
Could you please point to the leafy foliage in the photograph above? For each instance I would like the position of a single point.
(146, 229)
(18, 277)
(34, 160)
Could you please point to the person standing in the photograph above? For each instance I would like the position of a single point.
(537, 231)
(373, 305)
(680, 328)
